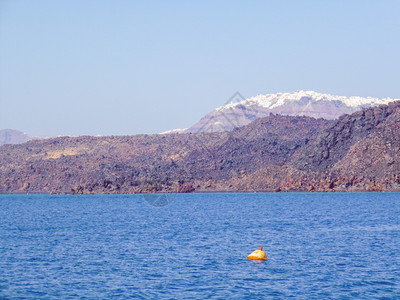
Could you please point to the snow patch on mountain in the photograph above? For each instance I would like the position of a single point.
(271, 101)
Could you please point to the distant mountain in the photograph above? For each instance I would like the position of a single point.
(10, 136)
(356, 152)
(300, 103)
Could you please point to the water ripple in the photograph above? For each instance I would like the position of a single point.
(319, 246)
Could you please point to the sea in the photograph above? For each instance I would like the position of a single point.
(194, 246)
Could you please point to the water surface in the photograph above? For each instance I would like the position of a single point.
(109, 246)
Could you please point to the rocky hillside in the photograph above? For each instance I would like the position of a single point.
(357, 152)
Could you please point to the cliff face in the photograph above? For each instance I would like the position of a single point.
(275, 153)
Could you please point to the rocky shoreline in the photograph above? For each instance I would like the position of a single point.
(357, 152)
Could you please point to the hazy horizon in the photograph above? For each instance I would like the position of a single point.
(119, 68)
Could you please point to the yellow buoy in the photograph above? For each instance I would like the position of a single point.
(257, 255)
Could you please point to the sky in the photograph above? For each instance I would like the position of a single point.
(128, 67)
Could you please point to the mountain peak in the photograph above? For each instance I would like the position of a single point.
(298, 103)
(11, 136)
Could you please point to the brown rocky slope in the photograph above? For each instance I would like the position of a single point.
(357, 152)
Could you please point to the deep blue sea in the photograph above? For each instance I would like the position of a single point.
(190, 246)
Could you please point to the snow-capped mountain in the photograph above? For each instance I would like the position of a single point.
(300, 103)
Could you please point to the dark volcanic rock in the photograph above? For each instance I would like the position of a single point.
(333, 143)
(275, 153)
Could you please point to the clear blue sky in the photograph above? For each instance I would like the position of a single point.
(126, 67)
